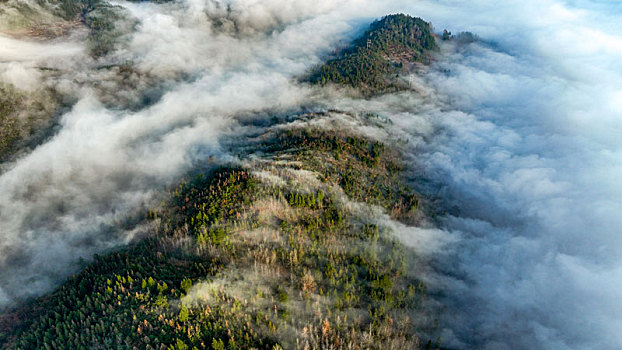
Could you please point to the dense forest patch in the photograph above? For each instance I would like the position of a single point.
(373, 62)
(238, 260)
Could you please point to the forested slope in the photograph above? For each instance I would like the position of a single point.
(288, 247)
(373, 62)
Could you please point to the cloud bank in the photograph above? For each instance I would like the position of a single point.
(69, 196)
(518, 135)
(142, 116)
(527, 150)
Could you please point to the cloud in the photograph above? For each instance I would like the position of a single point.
(20, 61)
(67, 198)
(518, 135)
(528, 152)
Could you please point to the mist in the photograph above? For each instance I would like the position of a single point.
(74, 195)
(516, 133)
(195, 67)
(531, 157)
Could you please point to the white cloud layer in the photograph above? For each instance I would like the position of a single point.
(530, 153)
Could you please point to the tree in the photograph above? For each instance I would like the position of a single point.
(446, 35)
(218, 344)
(183, 314)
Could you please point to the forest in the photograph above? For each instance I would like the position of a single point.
(276, 265)
(373, 62)
(264, 253)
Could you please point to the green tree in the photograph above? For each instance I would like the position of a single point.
(183, 314)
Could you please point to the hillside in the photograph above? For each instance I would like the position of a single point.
(24, 117)
(289, 247)
(28, 115)
(373, 62)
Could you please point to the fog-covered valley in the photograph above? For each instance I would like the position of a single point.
(508, 133)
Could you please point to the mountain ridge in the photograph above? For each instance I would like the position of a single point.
(286, 248)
